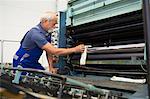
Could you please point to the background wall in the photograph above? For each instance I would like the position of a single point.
(16, 18)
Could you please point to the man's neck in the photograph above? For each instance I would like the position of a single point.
(43, 27)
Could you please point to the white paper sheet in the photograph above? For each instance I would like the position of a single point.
(123, 79)
(83, 57)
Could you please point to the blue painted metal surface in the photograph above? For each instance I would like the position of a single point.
(84, 11)
(141, 93)
(62, 37)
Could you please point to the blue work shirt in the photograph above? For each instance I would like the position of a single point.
(35, 37)
(30, 49)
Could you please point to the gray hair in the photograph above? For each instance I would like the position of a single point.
(48, 16)
(45, 16)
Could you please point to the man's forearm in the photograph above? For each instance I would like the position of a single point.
(62, 51)
(50, 60)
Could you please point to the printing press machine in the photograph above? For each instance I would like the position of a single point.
(115, 32)
(116, 66)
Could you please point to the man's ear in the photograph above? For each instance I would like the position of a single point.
(45, 20)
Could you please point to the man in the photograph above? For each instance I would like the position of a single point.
(38, 39)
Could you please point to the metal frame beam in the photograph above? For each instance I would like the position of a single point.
(62, 37)
(146, 16)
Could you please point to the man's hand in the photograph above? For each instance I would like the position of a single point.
(53, 70)
(80, 48)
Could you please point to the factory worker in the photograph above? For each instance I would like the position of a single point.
(38, 39)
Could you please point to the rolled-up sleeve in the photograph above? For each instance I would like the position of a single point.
(39, 39)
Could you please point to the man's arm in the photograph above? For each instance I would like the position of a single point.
(41, 42)
(62, 51)
(50, 60)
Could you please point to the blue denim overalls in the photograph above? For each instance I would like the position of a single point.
(29, 58)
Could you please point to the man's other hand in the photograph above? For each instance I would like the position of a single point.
(53, 70)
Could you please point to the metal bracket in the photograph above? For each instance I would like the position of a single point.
(17, 76)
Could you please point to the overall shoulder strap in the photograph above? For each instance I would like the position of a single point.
(23, 38)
